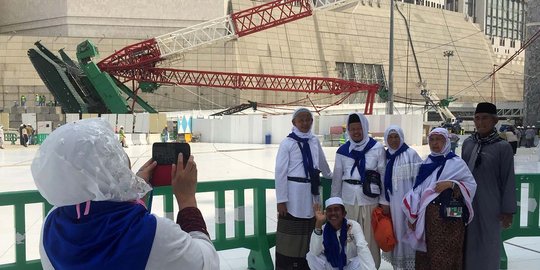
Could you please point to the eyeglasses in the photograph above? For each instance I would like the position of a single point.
(437, 139)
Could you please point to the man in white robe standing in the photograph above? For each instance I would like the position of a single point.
(299, 161)
(355, 160)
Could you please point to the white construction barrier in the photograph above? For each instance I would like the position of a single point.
(153, 138)
(129, 140)
(139, 139)
(135, 139)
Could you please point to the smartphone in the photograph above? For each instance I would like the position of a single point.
(166, 154)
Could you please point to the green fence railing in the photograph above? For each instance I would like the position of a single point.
(11, 137)
(260, 242)
(531, 227)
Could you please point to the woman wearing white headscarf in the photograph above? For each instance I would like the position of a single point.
(99, 220)
(299, 160)
(356, 161)
(439, 206)
(402, 163)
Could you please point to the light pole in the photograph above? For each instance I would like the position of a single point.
(448, 54)
(390, 101)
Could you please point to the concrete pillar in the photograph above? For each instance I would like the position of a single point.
(531, 93)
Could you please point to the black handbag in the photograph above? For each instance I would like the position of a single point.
(452, 207)
(372, 184)
(315, 178)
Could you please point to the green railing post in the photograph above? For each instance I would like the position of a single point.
(46, 208)
(20, 234)
(220, 214)
(532, 218)
(168, 204)
(326, 189)
(260, 258)
(239, 214)
(503, 264)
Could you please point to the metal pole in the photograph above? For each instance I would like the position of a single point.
(447, 77)
(390, 102)
(448, 54)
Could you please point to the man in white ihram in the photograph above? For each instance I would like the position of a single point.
(336, 242)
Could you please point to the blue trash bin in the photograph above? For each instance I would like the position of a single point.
(268, 139)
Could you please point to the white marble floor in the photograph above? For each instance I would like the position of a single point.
(218, 162)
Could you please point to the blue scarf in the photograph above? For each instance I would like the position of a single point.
(427, 169)
(334, 250)
(391, 158)
(358, 156)
(307, 159)
(114, 235)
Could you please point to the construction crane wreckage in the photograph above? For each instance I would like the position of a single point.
(87, 87)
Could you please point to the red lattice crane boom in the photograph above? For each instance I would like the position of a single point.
(139, 61)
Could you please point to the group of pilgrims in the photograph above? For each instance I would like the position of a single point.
(437, 221)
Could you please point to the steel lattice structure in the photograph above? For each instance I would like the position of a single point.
(139, 61)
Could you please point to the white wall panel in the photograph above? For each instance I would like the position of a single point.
(111, 118)
(128, 127)
(72, 117)
(142, 123)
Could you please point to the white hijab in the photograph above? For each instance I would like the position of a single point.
(391, 130)
(365, 130)
(296, 131)
(447, 148)
(83, 161)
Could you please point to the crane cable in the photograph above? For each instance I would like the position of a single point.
(519, 51)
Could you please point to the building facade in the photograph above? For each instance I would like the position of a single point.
(349, 42)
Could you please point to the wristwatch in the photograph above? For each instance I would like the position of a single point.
(317, 231)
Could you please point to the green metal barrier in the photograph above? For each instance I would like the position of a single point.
(260, 241)
(531, 228)
(39, 138)
(11, 137)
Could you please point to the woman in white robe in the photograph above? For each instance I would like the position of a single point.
(401, 169)
(436, 221)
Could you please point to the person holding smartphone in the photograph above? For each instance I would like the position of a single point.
(99, 220)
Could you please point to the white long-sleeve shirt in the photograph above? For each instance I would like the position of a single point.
(173, 248)
(289, 163)
(353, 194)
(357, 250)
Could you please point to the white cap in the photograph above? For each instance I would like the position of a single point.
(300, 110)
(333, 200)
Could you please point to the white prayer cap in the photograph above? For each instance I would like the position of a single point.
(333, 201)
(300, 110)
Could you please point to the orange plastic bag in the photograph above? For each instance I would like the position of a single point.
(383, 230)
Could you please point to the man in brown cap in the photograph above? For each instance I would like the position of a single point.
(491, 161)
